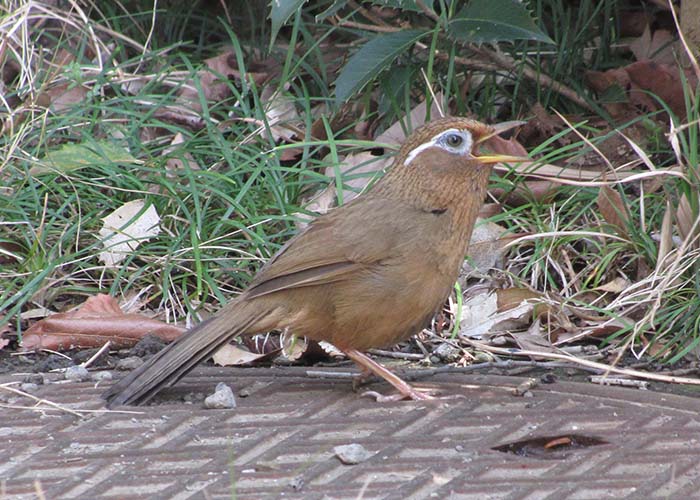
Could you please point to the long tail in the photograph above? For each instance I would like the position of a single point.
(175, 360)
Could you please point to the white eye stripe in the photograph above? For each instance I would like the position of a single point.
(440, 141)
(415, 152)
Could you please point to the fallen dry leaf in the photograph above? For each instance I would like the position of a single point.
(357, 169)
(176, 164)
(665, 238)
(213, 79)
(685, 219)
(98, 320)
(320, 204)
(614, 209)
(230, 355)
(395, 135)
(64, 96)
(486, 247)
(494, 312)
(659, 47)
(636, 81)
(280, 112)
(499, 145)
(125, 229)
(616, 285)
(533, 339)
(293, 347)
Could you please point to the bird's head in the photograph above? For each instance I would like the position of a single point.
(445, 138)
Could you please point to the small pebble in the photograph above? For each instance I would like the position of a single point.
(76, 373)
(351, 454)
(222, 398)
(130, 363)
(101, 376)
(29, 387)
(448, 353)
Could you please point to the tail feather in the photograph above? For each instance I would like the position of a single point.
(175, 360)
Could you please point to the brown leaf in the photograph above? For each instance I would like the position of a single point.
(597, 329)
(499, 145)
(663, 80)
(357, 169)
(222, 66)
(638, 80)
(396, 134)
(685, 219)
(534, 339)
(496, 312)
(486, 247)
(658, 47)
(613, 208)
(98, 320)
(666, 238)
(617, 285)
(63, 96)
(508, 298)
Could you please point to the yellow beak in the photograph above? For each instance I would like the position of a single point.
(501, 158)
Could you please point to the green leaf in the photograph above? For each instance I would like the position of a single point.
(74, 156)
(373, 57)
(493, 21)
(280, 12)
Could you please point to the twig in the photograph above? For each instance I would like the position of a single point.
(536, 76)
(97, 354)
(368, 27)
(327, 374)
(507, 364)
(623, 382)
(367, 14)
(591, 364)
(54, 406)
(490, 60)
(428, 12)
(397, 355)
(39, 401)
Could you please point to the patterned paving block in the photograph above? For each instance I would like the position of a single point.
(278, 442)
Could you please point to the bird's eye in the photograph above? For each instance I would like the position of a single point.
(454, 140)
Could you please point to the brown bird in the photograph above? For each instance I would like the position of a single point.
(368, 274)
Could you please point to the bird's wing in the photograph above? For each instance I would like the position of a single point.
(331, 248)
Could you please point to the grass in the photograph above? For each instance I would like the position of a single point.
(227, 199)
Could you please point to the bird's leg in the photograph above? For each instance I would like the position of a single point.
(405, 389)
